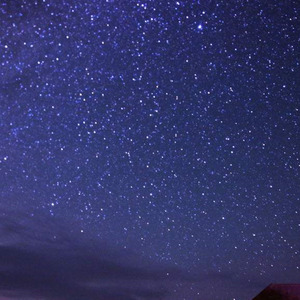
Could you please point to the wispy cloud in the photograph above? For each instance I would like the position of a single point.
(42, 258)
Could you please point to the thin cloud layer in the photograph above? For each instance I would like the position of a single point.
(40, 258)
(48, 258)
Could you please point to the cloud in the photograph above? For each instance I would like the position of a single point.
(45, 258)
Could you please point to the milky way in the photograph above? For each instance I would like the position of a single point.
(166, 130)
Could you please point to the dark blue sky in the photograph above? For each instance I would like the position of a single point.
(152, 146)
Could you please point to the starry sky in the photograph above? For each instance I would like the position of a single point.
(149, 149)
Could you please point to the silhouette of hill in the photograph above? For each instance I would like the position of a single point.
(280, 292)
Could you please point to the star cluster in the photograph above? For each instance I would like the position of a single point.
(169, 128)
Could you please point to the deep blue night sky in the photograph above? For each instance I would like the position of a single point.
(148, 149)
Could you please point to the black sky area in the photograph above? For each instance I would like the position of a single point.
(148, 149)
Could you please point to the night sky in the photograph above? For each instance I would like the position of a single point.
(149, 149)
